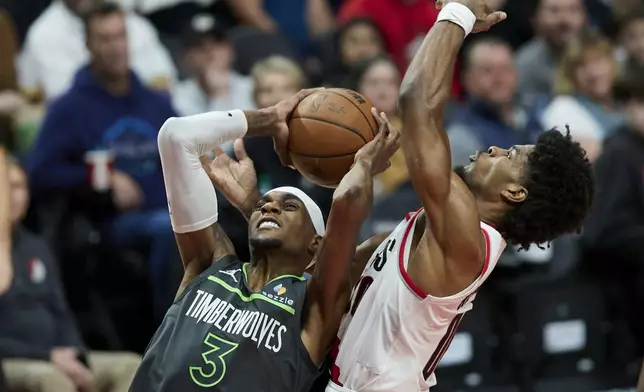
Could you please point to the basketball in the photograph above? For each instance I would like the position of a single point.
(326, 130)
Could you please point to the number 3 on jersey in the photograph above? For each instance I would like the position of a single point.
(377, 263)
(214, 369)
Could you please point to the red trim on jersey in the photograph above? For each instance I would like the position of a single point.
(487, 251)
(443, 345)
(401, 260)
(335, 370)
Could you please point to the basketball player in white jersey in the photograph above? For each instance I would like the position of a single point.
(416, 287)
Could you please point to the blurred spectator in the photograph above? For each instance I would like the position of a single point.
(491, 115)
(378, 79)
(299, 20)
(275, 79)
(41, 347)
(402, 22)
(108, 108)
(358, 39)
(212, 85)
(583, 88)
(615, 229)
(10, 101)
(632, 37)
(557, 22)
(6, 266)
(55, 48)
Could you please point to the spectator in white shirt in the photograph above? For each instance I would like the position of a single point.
(212, 84)
(55, 49)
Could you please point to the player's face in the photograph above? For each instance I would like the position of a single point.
(497, 175)
(107, 43)
(280, 221)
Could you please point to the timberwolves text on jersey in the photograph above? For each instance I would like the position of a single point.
(218, 332)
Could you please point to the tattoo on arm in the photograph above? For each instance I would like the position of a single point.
(259, 122)
(223, 244)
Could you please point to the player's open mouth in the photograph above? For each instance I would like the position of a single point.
(268, 223)
(475, 156)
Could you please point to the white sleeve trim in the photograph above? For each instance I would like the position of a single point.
(182, 140)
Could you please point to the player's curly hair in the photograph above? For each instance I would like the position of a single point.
(561, 190)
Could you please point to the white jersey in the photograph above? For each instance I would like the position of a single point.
(394, 334)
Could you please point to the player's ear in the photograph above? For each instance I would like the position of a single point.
(315, 243)
(514, 193)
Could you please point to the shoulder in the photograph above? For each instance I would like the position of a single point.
(64, 105)
(45, 26)
(36, 245)
(159, 100)
(139, 27)
(561, 105)
(528, 52)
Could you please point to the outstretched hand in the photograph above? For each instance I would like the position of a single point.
(235, 179)
(283, 111)
(378, 151)
(485, 16)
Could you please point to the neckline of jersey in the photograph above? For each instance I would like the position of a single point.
(245, 272)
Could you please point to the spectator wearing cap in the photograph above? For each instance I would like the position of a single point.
(556, 23)
(299, 20)
(109, 109)
(41, 347)
(615, 228)
(212, 84)
(55, 49)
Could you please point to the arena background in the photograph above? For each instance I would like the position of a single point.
(564, 316)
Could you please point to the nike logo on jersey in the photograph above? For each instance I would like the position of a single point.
(231, 273)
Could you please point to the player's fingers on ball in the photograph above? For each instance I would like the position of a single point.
(240, 150)
(218, 151)
(306, 92)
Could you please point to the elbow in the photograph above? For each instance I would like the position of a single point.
(353, 198)
(169, 134)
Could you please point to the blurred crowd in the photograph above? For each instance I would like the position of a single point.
(85, 86)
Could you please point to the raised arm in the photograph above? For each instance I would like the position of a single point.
(191, 197)
(329, 287)
(424, 93)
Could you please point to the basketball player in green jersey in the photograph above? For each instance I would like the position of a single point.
(258, 326)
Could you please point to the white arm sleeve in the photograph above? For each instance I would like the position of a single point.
(182, 140)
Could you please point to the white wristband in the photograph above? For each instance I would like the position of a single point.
(459, 15)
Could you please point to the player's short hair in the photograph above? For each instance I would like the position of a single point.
(100, 10)
(561, 189)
